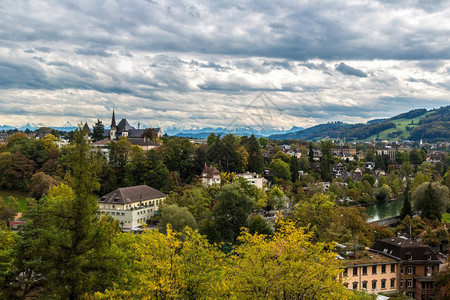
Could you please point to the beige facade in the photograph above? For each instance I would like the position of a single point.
(374, 273)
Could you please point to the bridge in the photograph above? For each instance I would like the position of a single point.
(389, 222)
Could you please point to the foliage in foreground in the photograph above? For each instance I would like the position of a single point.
(184, 265)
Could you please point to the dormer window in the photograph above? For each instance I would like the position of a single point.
(116, 199)
(102, 199)
(408, 256)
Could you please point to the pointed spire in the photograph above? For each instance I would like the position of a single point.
(113, 121)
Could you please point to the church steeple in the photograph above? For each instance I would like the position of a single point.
(113, 121)
(113, 130)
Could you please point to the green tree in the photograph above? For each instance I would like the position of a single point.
(311, 153)
(281, 169)
(8, 243)
(120, 152)
(256, 224)
(64, 246)
(231, 211)
(97, 131)
(432, 199)
(255, 158)
(407, 208)
(8, 212)
(150, 134)
(178, 157)
(177, 217)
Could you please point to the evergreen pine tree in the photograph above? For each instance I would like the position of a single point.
(406, 209)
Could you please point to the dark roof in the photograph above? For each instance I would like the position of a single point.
(88, 130)
(209, 172)
(124, 126)
(135, 133)
(400, 247)
(141, 142)
(132, 194)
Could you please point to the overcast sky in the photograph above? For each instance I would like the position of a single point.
(259, 63)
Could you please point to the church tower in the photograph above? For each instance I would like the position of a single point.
(112, 132)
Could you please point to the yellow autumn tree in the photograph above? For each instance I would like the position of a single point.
(169, 266)
(287, 266)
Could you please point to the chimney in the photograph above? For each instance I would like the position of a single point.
(139, 125)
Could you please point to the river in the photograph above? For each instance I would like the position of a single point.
(384, 210)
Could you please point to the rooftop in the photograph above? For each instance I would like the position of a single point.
(132, 194)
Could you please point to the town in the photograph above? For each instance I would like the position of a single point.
(377, 212)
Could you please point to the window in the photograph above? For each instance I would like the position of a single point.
(364, 285)
(393, 268)
(392, 283)
(345, 272)
(410, 270)
(409, 256)
(429, 270)
(383, 284)
(401, 283)
(410, 282)
(374, 285)
(428, 256)
(374, 269)
(355, 271)
(355, 285)
(383, 269)
(364, 270)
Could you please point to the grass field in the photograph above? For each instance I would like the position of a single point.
(400, 126)
(446, 217)
(21, 198)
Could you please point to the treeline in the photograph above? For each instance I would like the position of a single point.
(363, 131)
(411, 114)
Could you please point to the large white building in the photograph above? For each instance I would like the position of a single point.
(131, 206)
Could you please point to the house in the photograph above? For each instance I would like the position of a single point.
(395, 264)
(210, 175)
(253, 179)
(131, 206)
(418, 264)
(370, 272)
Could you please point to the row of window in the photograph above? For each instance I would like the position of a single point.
(143, 211)
(374, 270)
(116, 213)
(374, 284)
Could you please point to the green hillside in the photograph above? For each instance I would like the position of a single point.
(414, 125)
(402, 130)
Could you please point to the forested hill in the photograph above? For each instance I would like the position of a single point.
(416, 124)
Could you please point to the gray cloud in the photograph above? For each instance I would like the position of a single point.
(347, 70)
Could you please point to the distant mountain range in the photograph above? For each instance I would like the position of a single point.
(417, 124)
(203, 133)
